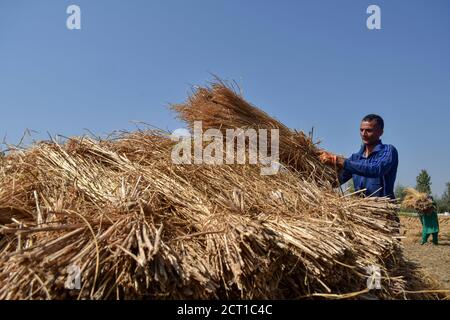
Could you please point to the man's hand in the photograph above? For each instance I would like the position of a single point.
(331, 159)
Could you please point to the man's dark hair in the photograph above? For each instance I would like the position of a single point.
(377, 118)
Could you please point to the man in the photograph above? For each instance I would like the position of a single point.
(374, 166)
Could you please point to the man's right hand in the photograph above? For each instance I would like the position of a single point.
(330, 159)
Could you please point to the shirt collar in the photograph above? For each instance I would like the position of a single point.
(377, 148)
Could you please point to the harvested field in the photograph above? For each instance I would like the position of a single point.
(435, 260)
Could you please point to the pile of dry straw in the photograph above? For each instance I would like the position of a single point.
(138, 226)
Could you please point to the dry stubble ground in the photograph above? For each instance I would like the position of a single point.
(434, 259)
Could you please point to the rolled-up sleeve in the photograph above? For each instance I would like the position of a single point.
(373, 168)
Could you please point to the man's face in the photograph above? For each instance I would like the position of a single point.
(370, 132)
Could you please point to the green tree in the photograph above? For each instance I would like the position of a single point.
(348, 187)
(446, 194)
(400, 192)
(444, 202)
(423, 182)
(351, 186)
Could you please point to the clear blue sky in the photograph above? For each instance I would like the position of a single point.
(308, 63)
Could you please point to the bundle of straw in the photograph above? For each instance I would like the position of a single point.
(416, 200)
(219, 106)
(137, 226)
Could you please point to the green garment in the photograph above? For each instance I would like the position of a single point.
(430, 223)
(426, 236)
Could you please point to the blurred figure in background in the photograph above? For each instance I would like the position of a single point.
(430, 223)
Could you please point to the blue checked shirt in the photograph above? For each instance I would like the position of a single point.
(376, 173)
